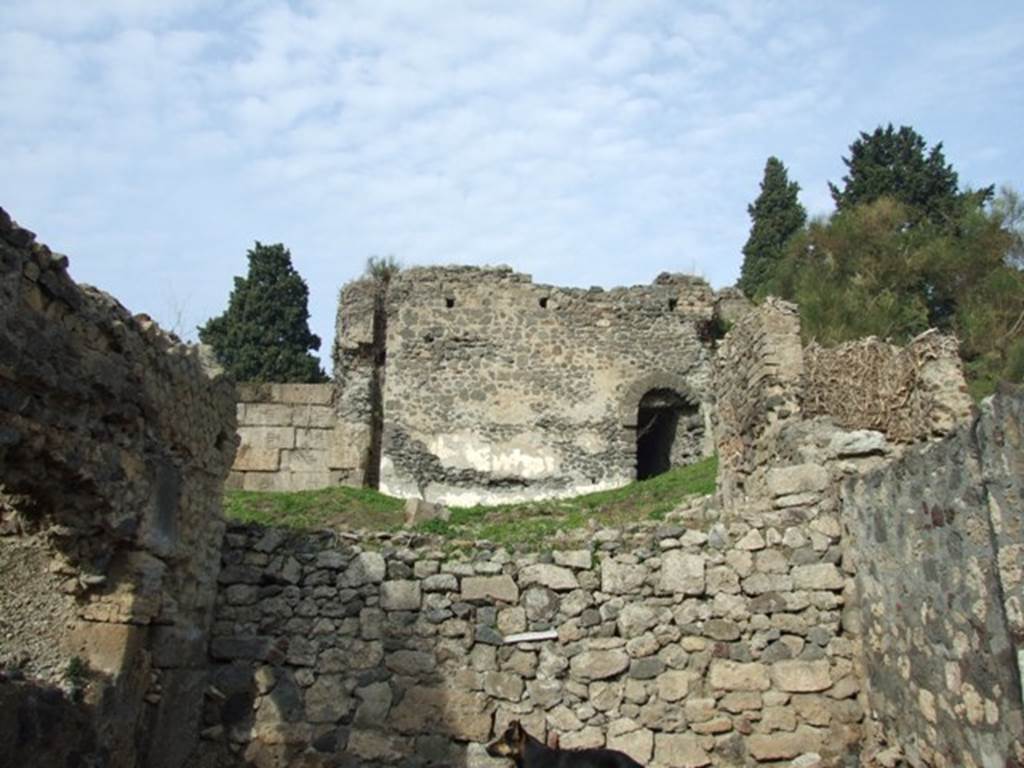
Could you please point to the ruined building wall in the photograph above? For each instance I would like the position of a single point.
(758, 374)
(937, 542)
(291, 440)
(497, 389)
(119, 442)
(717, 647)
(773, 394)
(908, 393)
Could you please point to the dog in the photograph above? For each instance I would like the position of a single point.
(528, 752)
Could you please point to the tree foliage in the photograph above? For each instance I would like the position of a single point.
(898, 164)
(776, 215)
(907, 250)
(1008, 208)
(264, 335)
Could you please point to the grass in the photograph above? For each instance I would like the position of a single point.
(527, 524)
(334, 507)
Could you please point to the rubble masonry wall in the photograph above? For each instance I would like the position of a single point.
(498, 389)
(723, 646)
(937, 538)
(118, 443)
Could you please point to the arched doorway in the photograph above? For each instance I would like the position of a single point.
(669, 432)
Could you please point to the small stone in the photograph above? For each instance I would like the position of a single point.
(674, 685)
(820, 576)
(481, 588)
(554, 577)
(680, 751)
(646, 668)
(598, 664)
(753, 540)
(400, 595)
(738, 676)
(682, 573)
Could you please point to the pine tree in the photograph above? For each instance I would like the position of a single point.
(776, 216)
(898, 164)
(264, 333)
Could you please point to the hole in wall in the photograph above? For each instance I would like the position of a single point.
(672, 304)
(667, 432)
(543, 301)
(449, 302)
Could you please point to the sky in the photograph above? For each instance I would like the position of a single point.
(583, 142)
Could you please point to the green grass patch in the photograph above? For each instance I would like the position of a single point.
(335, 507)
(533, 523)
(528, 524)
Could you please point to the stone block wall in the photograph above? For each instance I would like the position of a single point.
(724, 647)
(937, 541)
(758, 382)
(777, 399)
(291, 440)
(114, 446)
(491, 388)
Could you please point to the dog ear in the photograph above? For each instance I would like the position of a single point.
(518, 733)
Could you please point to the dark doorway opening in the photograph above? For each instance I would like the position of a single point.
(659, 446)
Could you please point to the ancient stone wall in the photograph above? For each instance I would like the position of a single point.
(115, 443)
(937, 541)
(777, 398)
(758, 375)
(359, 361)
(291, 440)
(497, 389)
(723, 646)
(908, 393)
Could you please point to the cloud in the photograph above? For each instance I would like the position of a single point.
(584, 142)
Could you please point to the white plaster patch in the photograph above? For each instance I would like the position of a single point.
(525, 456)
(590, 442)
(455, 496)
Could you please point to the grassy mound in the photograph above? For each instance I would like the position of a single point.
(526, 523)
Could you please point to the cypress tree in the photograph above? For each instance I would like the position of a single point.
(898, 164)
(776, 215)
(264, 333)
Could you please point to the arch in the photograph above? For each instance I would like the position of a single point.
(665, 423)
(658, 380)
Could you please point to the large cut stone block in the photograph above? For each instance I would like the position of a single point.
(252, 459)
(268, 415)
(267, 437)
(305, 394)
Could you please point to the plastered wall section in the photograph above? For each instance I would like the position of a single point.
(937, 539)
(118, 441)
(291, 440)
(499, 389)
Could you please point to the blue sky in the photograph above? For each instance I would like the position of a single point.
(586, 143)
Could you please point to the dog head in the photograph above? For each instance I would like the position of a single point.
(510, 744)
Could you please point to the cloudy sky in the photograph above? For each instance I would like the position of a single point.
(585, 142)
